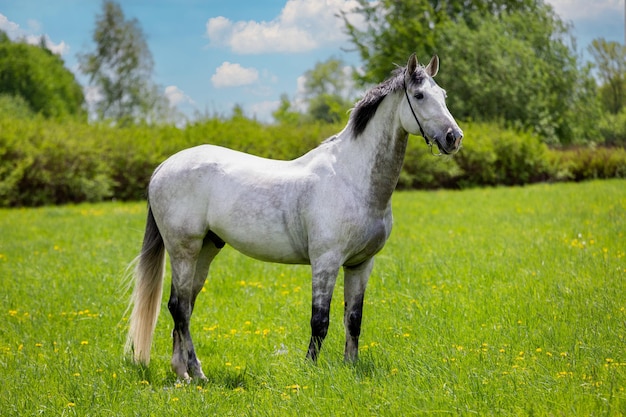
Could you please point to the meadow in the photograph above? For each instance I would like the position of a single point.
(487, 301)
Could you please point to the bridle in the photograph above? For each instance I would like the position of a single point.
(428, 142)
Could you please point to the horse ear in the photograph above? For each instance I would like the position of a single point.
(411, 65)
(433, 66)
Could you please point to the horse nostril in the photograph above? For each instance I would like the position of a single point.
(450, 138)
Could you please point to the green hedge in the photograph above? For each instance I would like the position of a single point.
(48, 162)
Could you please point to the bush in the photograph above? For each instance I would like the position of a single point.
(43, 161)
(496, 156)
(580, 164)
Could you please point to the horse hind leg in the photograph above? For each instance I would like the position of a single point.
(188, 277)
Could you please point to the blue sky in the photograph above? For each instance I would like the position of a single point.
(212, 54)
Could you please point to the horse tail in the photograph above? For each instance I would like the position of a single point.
(146, 298)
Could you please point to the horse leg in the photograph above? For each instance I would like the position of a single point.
(324, 278)
(355, 281)
(188, 277)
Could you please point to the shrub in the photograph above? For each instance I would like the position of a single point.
(44, 161)
(580, 164)
(494, 156)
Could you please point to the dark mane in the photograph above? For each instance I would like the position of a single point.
(365, 109)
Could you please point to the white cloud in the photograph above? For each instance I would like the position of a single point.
(585, 9)
(234, 75)
(263, 110)
(14, 32)
(302, 25)
(177, 96)
(11, 28)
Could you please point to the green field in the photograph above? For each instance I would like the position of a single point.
(499, 301)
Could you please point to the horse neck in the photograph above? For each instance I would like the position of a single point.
(374, 158)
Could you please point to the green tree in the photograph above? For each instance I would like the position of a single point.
(327, 89)
(518, 69)
(121, 68)
(40, 78)
(395, 29)
(503, 60)
(610, 62)
(285, 113)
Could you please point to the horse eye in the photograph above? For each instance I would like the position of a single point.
(419, 96)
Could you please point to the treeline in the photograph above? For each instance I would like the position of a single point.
(43, 161)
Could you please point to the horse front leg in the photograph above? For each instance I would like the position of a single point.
(355, 282)
(324, 278)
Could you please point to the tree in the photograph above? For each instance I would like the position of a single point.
(40, 79)
(285, 113)
(517, 68)
(327, 89)
(610, 61)
(502, 60)
(121, 68)
(395, 29)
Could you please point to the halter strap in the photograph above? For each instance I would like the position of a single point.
(429, 143)
(413, 111)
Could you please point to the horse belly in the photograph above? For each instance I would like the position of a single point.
(260, 226)
(266, 242)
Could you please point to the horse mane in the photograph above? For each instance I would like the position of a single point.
(366, 108)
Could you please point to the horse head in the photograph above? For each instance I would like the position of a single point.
(424, 111)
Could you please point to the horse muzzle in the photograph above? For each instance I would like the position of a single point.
(452, 141)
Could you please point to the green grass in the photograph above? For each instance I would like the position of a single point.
(501, 301)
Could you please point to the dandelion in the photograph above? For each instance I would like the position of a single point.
(239, 389)
(144, 382)
(71, 404)
(174, 399)
(84, 342)
(38, 344)
(76, 374)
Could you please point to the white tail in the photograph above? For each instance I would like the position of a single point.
(146, 297)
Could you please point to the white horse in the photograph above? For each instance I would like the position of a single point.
(330, 208)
